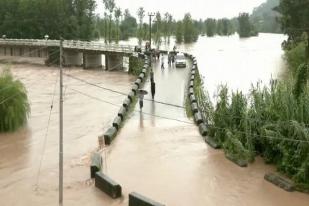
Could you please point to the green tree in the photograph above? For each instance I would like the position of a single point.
(265, 18)
(158, 27)
(117, 17)
(169, 27)
(295, 20)
(246, 29)
(128, 26)
(14, 106)
(71, 19)
(179, 32)
(211, 27)
(109, 6)
(141, 15)
(189, 31)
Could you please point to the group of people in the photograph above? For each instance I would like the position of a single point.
(170, 59)
(156, 54)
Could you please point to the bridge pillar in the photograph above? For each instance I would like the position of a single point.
(92, 60)
(73, 58)
(113, 61)
(2, 51)
(16, 51)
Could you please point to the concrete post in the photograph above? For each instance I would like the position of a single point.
(16, 51)
(114, 61)
(92, 60)
(2, 51)
(73, 58)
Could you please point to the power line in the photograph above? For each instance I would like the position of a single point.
(46, 133)
(95, 85)
(107, 102)
(118, 92)
(95, 98)
(190, 123)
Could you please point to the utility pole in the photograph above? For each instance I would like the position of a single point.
(61, 128)
(151, 14)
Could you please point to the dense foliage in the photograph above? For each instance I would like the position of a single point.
(270, 121)
(265, 18)
(135, 65)
(33, 19)
(246, 28)
(14, 106)
(75, 19)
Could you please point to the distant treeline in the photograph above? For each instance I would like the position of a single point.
(76, 19)
(71, 19)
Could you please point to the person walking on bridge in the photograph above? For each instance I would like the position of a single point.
(151, 75)
(141, 95)
(162, 62)
(153, 89)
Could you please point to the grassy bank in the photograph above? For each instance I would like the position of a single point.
(271, 121)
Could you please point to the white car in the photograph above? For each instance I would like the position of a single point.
(180, 60)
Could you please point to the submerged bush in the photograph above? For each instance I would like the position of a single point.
(14, 106)
(270, 121)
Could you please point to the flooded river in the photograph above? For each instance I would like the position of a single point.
(236, 62)
(158, 153)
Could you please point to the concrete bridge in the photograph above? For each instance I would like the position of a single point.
(76, 53)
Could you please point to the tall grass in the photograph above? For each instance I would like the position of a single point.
(271, 122)
(14, 106)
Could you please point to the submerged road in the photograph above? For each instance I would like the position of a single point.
(168, 161)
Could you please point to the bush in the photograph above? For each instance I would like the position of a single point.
(295, 56)
(270, 121)
(14, 106)
(135, 65)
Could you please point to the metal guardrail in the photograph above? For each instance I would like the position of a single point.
(70, 44)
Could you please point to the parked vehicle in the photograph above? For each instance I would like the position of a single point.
(180, 60)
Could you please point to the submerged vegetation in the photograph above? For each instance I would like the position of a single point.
(14, 106)
(271, 121)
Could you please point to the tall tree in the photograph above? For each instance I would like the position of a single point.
(128, 26)
(179, 32)
(169, 27)
(118, 14)
(211, 28)
(246, 29)
(141, 15)
(189, 31)
(295, 20)
(157, 26)
(109, 6)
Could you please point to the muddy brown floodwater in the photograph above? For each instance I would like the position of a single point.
(158, 153)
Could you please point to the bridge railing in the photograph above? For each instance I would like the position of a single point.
(71, 44)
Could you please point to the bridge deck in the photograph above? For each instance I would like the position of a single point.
(70, 44)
